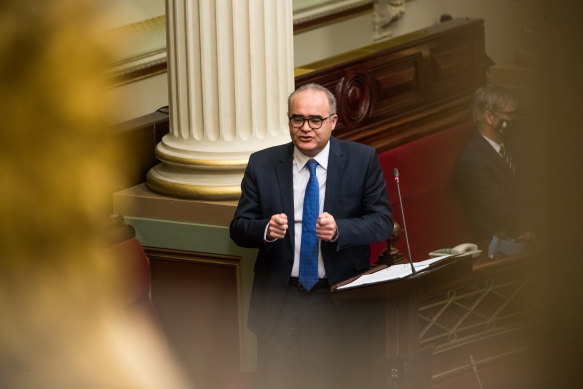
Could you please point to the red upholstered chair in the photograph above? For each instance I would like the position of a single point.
(433, 213)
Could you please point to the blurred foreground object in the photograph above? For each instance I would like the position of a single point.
(61, 291)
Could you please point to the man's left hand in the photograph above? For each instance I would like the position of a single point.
(326, 226)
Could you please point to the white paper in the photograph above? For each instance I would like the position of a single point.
(391, 273)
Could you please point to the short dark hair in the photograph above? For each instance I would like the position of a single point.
(314, 86)
(490, 98)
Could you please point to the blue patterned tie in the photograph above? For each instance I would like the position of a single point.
(309, 248)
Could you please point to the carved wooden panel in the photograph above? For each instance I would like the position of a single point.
(397, 91)
(398, 84)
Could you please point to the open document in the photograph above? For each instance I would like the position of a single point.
(390, 273)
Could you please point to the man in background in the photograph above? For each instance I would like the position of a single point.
(488, 174)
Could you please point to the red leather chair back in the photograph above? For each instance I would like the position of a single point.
(433, 213)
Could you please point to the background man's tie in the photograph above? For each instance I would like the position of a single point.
(309, 248)
(506, 157)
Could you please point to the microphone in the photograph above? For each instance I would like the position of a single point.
(396, 173)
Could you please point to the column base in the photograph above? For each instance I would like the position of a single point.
(204, 184)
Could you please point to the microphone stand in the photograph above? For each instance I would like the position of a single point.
(396, 173)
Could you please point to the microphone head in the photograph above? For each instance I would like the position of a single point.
(396, 172)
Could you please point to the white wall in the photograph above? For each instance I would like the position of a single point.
(503, 20)
(139, 98)
(121, 12)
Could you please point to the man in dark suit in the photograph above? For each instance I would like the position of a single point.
(487, 176)
(301, 332)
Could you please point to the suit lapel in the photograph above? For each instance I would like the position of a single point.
(336, 163)
(285, 183)
(502, 169)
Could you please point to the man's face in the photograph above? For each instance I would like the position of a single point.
(501, 118)
(310, 104)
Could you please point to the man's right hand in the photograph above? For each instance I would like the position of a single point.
(277, 227)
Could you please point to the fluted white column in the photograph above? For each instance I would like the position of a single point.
(230, 70)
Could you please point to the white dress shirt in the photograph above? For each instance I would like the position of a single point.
(495, 145)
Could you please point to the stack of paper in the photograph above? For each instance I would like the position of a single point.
(393, 272)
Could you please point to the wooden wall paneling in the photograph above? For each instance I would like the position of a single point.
(453, 68)
(398, 85)
(198, 299)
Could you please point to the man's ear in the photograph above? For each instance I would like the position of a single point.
(333, 120)
(488, 117)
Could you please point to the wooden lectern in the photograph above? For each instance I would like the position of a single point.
(407, 366)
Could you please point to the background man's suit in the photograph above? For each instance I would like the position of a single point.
(491, 192)
(356, 197)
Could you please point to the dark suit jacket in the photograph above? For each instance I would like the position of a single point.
(356, 196)
(490, 191)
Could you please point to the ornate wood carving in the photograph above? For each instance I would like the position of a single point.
(402, 89)
(391, 255)
(356, 89)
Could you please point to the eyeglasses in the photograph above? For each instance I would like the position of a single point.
(506, 115)
(314, 122)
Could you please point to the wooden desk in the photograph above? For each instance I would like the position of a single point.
(408, 366)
